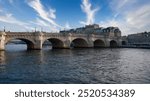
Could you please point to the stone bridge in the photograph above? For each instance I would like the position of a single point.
(35, 40)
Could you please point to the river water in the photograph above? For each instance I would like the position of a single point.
(102, 66)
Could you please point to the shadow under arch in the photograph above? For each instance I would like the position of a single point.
(113, 44)
(124, 43)
(54, 43)
(79, 43)
(30, 44)
(99, 43)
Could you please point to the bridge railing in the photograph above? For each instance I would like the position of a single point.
(65, 34)
(10, 34)
(45, 34)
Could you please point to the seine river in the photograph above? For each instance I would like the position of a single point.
(102, 66)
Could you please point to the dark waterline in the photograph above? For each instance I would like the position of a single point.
(17, 65)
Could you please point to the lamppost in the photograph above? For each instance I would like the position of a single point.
(35, 29)
(4, 28)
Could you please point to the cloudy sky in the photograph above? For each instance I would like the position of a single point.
(131, 16)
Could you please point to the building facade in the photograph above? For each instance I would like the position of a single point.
(97, 30)
(137, 40)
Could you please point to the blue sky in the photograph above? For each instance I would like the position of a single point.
(131, 16)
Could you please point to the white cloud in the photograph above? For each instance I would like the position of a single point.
(1, 10)
(48, 16)
(119, 5)
(9, 19)
(139, 17)
(52, 13)
(90, 13)
(11, 1)
(132, 16)
(41, 23)
(67, 25)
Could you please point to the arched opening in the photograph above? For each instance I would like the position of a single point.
(19, 44)
(79, 43)
(99, 44)
(124, 43)
(113, 44)
(53, 43)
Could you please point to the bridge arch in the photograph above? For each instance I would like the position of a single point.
(113, 44)
(55, 43)
(79, 43)
(99, 43)
(124, 43)
(30, 44)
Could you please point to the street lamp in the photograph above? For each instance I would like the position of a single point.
(35, 29)
(4, 28)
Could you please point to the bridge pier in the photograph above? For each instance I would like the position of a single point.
(38, 41)
(107, 43)
(2, 41)
(37, 45)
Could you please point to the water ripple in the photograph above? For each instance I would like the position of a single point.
(75, 66)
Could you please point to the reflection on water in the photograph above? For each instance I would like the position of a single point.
(2, 57)
(74, 66)
(2, 60)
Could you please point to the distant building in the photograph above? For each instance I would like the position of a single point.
(95, 29)
(139, 39)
